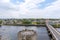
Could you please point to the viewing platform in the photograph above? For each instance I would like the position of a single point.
(27, 35)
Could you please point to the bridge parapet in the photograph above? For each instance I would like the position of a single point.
(53, 31)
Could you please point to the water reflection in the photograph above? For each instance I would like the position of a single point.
(10, 32)
(58, 29)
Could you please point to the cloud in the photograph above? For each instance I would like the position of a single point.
(4, 1)
(45, 3)
(29, 9)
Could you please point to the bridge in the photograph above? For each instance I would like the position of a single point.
(53, 32)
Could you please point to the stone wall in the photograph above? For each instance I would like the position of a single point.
(27, 35)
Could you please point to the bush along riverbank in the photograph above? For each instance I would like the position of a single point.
(56, 25)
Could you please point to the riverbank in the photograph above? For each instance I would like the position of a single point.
(56, 26)
(27, 25)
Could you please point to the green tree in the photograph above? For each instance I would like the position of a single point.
(25, 21)
(37, 22)
(0, 21)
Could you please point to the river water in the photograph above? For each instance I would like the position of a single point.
(58, 29)
(11, 32)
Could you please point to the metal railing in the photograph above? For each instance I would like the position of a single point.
(53, 31)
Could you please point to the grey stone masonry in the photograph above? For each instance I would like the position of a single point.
(27, 35)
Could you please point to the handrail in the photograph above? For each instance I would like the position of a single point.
(54, 32)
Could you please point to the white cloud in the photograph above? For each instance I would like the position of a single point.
(4, 1)
(29, 9)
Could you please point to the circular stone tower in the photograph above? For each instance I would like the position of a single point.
(27, 35)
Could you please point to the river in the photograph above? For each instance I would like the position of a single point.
(11, 32)
(58, 29)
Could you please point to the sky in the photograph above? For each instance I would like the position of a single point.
(29, 8)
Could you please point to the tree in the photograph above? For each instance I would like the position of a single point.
(0, 21)
(25, 21)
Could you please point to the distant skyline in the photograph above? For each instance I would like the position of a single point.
(29, 9)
